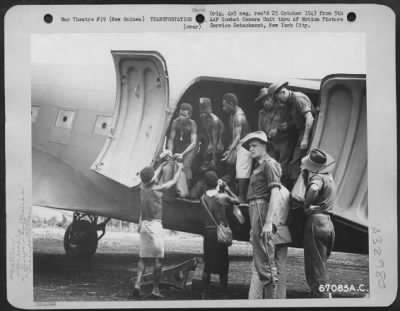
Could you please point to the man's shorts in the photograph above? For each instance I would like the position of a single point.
(151, 239)
(243, 163)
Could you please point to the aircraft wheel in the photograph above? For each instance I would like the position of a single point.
(80, 239)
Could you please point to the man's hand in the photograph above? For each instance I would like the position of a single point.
(272, 133)
(284, 126)
(304, 144)
(178, 156)
(180, 165)
(226, 155)
(267, 231)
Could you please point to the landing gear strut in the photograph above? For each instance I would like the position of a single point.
(80, 238)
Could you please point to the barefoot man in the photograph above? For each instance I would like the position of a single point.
(150, 226)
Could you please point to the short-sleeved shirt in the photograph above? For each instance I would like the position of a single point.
(266, 176)
(326, 197)
(151, 204)
(300, 104)
(267, 122)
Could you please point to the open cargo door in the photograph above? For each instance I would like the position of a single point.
(342, 131)
(138, 126)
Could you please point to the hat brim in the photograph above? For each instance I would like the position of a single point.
(319, 168)
(283, 84)
(259, 97)
(246, 144)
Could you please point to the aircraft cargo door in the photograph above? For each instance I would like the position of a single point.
(341, 130)
(139, 120)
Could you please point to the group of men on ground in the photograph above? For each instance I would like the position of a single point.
(265, 162)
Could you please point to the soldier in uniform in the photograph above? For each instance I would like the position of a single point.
(301, 121)
(264, 199)
(272, 118)
(319, 233)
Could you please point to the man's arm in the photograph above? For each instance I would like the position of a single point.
(234, 200)
(311, 195)
(193, 138)
(232, 197)
(260, 127)
(214, 139)
(237, 131)
(273, 205)
(169, 184)
(157, 173)
(171, 138)
(309, 123)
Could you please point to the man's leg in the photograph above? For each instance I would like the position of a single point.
(156, 278)
(187, 165)
(280, 261)
(206, 285)
(285, 147)
(263, 252)
(256, 287)
(295, 163)
(140, 271)
(318, 241)
(223, 280)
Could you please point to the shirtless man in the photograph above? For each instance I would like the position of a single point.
(183, 140)
(239, 126)
(210, 131)
(150, 226)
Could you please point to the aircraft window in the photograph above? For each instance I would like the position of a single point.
(102, 125)
(34, 113)
(65, 118)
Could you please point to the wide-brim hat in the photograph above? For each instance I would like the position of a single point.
(263, 93)
(260, 136)
(274, 87)
(318, 161)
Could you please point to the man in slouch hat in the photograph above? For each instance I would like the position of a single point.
(301, 121)
(319, 232)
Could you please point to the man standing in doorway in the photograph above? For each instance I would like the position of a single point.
(270, 119)
(302, 120)
(239, 128)
(182, 140)
(210, 134)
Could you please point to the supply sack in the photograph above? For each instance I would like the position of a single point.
(224, 235)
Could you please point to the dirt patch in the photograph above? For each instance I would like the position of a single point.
(106, 276)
